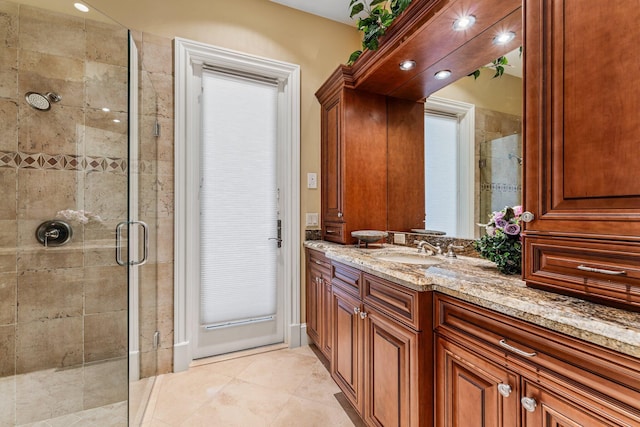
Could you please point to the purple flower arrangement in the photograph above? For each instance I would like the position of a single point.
(502, 243)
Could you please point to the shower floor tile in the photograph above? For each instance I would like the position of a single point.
(114, 415)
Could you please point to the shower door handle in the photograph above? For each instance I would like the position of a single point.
(145, 247)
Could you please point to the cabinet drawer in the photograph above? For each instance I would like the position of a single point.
(317, 259)
(346, 278)
(603, 272)
(333, 232)
(399, 303)
(534, 349)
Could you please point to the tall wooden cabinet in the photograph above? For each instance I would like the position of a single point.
(582, 133)
(364, 184)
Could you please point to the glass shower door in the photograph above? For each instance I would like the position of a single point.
(63, 171)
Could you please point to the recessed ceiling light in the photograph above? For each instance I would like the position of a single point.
(504, 38)
(464, 22)
(407, 65)
(81, 7)
(105, 109)
(442, 74)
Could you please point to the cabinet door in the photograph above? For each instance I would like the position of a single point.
(581, 104)
(543, 408)
(390, 372)
(314, 300)
(326, 339)
(332, 174)
(471, 391)
(346, 365)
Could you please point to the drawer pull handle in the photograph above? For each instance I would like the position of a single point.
(330, 232)
(602, 270)
(503, 343)
(504, 390)
(529, 404)
(318, 262)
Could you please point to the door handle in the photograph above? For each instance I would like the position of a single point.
(279, 238)
(145, 247)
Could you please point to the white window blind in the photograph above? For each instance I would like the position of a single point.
(238, 199)
(441, 173)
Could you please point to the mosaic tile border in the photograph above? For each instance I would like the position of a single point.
(43, 161)
(500, 187)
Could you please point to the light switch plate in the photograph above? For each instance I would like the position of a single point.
(399, 238)
(312, 180)
(311, 219)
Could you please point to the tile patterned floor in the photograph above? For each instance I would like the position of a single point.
(277, 388)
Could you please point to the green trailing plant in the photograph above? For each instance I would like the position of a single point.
(379, 15)
(503, 244)
(498, 64)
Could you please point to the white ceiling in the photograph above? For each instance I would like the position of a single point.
(336, 10)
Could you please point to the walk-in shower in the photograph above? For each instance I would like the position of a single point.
(76, 151)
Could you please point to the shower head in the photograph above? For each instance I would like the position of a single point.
(40, 101)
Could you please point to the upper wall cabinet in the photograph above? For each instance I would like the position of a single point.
(582, 133)
(366, 185)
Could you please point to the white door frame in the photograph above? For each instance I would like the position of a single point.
(189, 58)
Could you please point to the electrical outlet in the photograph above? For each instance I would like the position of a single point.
(312, 180)
(311, 219)
(399, 238)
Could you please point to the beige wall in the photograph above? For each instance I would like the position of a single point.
(503, 94)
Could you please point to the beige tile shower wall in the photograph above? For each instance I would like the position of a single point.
(62, 307)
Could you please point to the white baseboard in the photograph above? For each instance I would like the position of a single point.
(304, 338)
(181, 356)
(294, 335)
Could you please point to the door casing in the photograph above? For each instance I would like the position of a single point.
(189, 58)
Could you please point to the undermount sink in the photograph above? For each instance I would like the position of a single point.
(415, 259)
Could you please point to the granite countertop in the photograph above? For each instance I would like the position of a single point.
(477, 281)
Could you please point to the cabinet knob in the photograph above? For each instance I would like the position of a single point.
(356, 310)
(527, 216)
(529, 404)
(504, 390)
(363, 314)
(339, 214)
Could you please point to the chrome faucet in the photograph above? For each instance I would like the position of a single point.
(424, 246)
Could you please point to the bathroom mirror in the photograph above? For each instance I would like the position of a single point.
(473, 149)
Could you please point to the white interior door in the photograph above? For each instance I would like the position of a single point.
(240, 295)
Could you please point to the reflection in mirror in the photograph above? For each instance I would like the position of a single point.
(473, 150)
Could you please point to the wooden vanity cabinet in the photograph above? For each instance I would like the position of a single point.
(364, 184)
(382, 356)
(495, 370)
(318, 300)
(582, 180)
